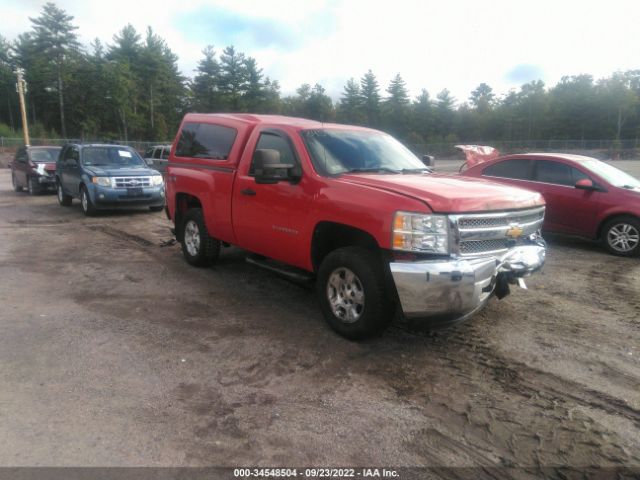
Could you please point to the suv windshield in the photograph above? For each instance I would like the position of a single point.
(611, 174)
(44, 155)
(342, 151)
(111, 156)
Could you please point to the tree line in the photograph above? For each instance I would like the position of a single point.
(132, 88)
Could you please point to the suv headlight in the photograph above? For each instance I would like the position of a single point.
(156, 180)
(102, 181)
(417, 232)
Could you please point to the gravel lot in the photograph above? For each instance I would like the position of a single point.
(115, 352)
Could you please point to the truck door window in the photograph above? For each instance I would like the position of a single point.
(165, 153)
(518, 169)
(157, 152)
(272, 141)
(205, 140)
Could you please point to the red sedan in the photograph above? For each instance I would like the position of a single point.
(584, 196)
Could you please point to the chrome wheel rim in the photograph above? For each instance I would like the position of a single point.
(60, 195)
(623, 237)
(84, 200)
(192, 238)
(30, 183)
(345, 295)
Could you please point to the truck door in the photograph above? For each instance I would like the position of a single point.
(272, 219)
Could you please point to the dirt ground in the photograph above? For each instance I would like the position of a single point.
(115, 352)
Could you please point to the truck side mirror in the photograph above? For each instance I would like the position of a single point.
(267, 166)
(429, 160)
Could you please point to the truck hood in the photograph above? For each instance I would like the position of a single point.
(120, 172)
(452, 193)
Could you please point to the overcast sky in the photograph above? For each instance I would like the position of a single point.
(432, 44)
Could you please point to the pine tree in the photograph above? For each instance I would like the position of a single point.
(254, 96)
(422, 120)
(54, 34)
(445, 113)
(396, 107)
(351, 104)
(205, 87)
(233, 77)
(370, 91)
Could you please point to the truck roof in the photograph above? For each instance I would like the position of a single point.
(256, 119)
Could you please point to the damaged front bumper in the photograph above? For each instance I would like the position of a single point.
(453, 289)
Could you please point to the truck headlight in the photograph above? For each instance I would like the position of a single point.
(156, 180)
(102, 181)
(417, 232)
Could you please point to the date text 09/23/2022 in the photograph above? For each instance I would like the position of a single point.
(315, 473)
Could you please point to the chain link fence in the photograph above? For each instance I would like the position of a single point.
(9, 144)
(604, 149)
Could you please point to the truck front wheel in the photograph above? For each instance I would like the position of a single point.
(352, 293)
(198, 248)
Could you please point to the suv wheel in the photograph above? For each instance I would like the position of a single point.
(198, 248)
(88, 208)
(352, 293)
(63, 198)
(621, 236)
(32, 185)
(14, 182)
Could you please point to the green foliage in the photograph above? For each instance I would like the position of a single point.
(132, 89)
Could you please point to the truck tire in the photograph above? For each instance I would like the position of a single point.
(198, 248)
(88, 208)
(157, 208)
(352, 293)
(63, 199)
(14, 182)
(621, 236)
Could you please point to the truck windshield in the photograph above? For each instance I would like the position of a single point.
(342, 151)
(108, 156)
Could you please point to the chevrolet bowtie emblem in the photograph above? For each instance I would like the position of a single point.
(514, 232)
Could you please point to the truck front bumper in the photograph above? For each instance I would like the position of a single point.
(450, 290)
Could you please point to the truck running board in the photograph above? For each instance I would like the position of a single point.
(293, 274)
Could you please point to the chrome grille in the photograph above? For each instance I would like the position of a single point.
(132, 182)
(484, 234)
(500, 221)
(484, 246)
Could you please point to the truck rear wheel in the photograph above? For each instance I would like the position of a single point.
(352, 293)
(198, 248)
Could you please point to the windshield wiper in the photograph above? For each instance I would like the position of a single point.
(373, 170)
(416, 170)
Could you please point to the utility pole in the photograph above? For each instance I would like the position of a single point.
(21, 88)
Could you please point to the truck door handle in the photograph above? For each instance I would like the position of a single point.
(249, 192)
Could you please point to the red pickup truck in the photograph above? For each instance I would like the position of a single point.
(353, 210)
